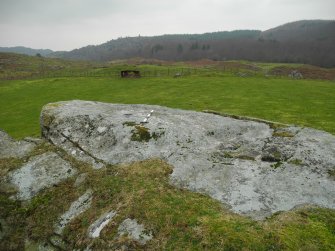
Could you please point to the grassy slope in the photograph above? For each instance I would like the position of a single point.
(19, 66)
(303, 102)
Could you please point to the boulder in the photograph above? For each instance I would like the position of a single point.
(253, 167)
(295, 75)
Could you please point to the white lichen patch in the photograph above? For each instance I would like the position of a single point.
(95, 229)
(101, 129)
(77, 207)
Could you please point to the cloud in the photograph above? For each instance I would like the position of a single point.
(67, 24)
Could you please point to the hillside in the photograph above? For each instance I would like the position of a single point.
(308, 42)
(310, 30)
(26, 51)
(16, 66)
(165, 47)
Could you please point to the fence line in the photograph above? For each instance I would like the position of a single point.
(113, 74)
(169, 72)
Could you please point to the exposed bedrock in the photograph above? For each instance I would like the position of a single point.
(255, 168)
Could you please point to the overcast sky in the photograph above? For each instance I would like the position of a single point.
(70, 24)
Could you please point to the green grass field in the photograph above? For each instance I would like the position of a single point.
(303, 102)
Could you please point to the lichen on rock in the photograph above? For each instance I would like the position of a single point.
(41, 171)
(12, 148)
(77, 207)
(135, 231)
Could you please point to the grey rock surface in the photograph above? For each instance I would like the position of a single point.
(77, 207)
(97, 226)
(80, 179)
(247, 165)
(134, 231)
(40, 172)
(12, 148)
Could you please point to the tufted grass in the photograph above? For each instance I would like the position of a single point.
(303, 102)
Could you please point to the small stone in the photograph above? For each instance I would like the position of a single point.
(95, 229)
(134, 231)
(80, 179)
(77, 207)
(57, 241)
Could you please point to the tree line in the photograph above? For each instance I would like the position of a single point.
(313, 45)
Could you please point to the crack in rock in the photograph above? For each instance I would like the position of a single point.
(97, 163)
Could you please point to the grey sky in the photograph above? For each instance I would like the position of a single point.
(69, 24)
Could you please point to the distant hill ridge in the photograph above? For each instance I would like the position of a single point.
(307, 41)
(310, 30)
(26, 51)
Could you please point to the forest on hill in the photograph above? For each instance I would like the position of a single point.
(306, 42)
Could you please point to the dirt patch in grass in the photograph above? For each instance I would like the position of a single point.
(332, 172)
(142, 134)
(283, 134)
(297, 162)
(308, 72)
(224, 65)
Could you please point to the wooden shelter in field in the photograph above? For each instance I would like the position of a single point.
(130, 74)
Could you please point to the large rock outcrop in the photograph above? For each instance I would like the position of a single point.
(255, 168)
